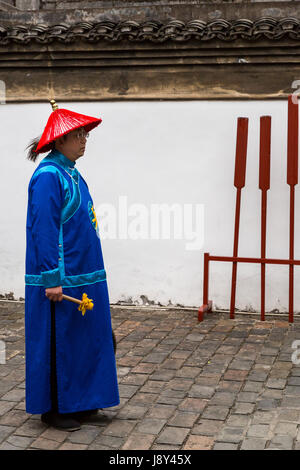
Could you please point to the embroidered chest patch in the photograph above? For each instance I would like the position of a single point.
(93, 218)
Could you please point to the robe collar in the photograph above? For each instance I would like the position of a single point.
(61, 159)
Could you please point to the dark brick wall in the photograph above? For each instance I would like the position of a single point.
(168, 49)
(35, 5)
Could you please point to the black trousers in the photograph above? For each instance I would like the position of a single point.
(53, 377)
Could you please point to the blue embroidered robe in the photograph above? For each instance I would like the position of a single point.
(63, 248)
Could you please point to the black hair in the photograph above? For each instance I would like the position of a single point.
(31, 155)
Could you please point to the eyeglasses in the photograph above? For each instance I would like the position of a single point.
(81, 133)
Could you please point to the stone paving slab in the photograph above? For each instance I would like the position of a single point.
(216, 385)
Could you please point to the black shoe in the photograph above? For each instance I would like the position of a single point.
(60, 421)
(84, 414)
(114, 341)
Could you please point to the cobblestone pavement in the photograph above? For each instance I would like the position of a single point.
(219, 384)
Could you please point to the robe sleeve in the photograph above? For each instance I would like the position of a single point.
(46, 198)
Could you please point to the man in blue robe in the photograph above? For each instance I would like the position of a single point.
(70, 360)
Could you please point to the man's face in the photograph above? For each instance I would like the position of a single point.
(74, 143)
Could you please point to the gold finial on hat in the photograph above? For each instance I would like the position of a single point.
(54, 105)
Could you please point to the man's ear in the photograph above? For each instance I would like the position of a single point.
(59, 140)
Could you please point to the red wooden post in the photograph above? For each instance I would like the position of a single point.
(292, 180)
(264, 185)
(207, 304)
(239, 183)
(206, 277)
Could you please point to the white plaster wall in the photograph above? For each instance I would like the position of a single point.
(163, 152)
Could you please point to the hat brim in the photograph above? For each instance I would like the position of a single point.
(88, 127)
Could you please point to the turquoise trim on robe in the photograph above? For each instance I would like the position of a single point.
(69, 281)
(51, 278)
(63, 248)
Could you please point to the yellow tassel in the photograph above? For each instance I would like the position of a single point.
(86, 304)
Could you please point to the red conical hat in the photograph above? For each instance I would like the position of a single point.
(60, 122)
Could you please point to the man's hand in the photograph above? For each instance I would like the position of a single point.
(54, 293)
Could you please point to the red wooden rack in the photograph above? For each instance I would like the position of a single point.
(264, 186)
